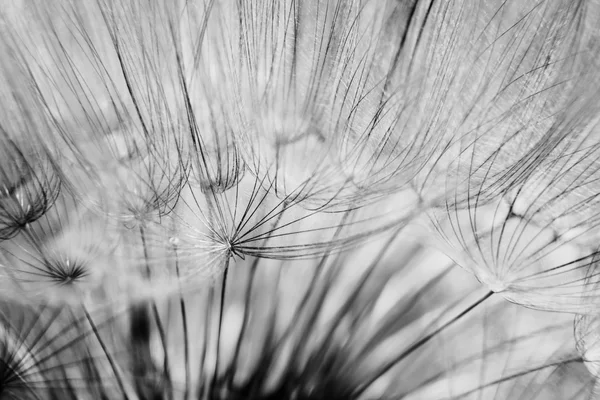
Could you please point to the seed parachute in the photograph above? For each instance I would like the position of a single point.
(299, 199)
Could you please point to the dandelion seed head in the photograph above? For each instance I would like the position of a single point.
(169, 148)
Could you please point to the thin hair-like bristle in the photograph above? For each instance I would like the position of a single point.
(328, 199)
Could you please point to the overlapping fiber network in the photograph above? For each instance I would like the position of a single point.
(147, 147)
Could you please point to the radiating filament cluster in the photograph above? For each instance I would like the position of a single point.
(328, 199)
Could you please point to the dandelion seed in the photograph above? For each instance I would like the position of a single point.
(213, 199)
(46, 354)
(311, 81)
(387, 328)
(518, 193)
(586, 335)
(61, 257)
(30, 185)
